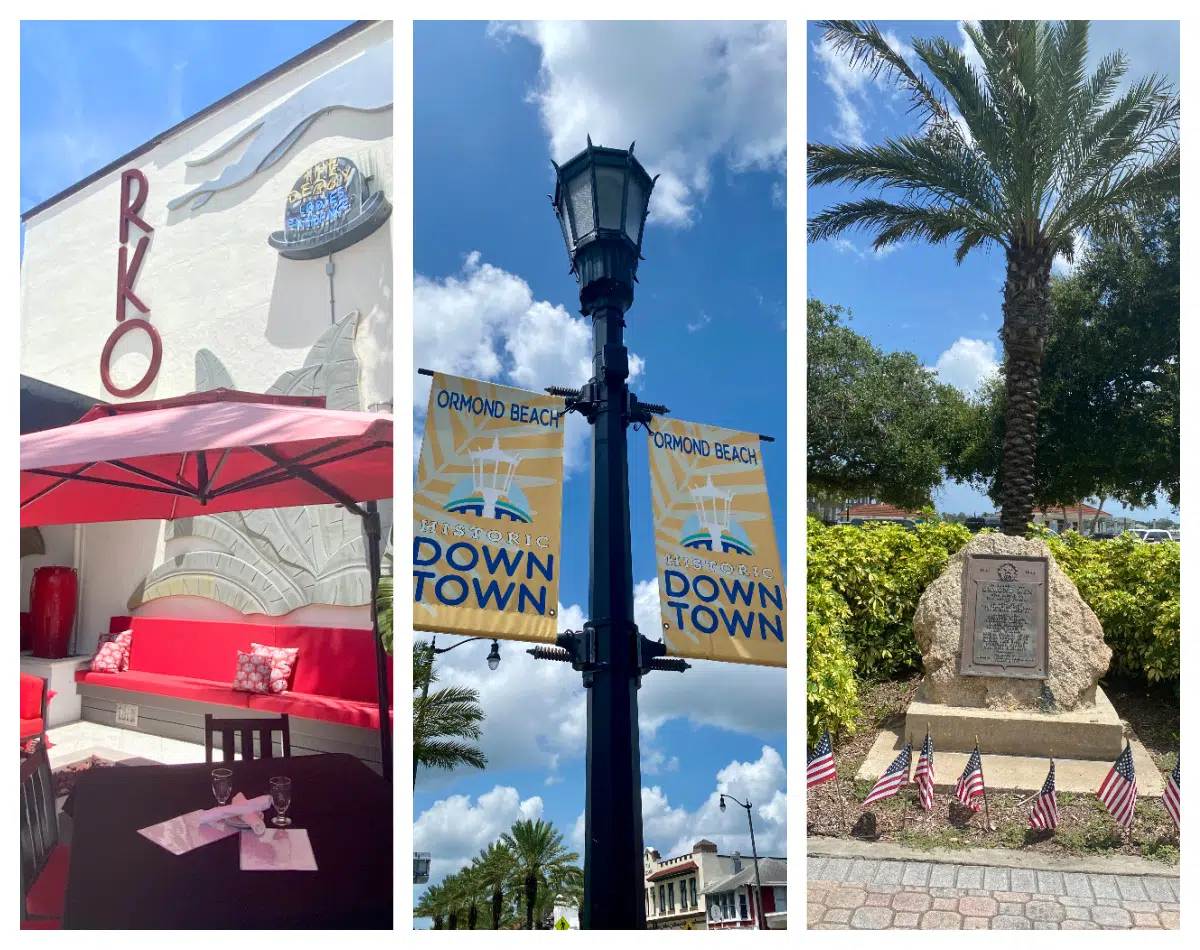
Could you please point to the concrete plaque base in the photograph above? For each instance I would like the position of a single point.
(1010, 773)
(1094, 732)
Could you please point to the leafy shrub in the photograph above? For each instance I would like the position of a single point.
(832, 692)
(1134, 590)
(879, 572)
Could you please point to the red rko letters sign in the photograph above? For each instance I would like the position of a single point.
(127, 272)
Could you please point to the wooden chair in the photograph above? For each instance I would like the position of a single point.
(245, 730)
(44, 861)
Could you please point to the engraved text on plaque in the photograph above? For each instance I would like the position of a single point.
(1005, 621)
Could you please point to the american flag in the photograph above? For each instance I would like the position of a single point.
(970, 783)
(1119, 791)
(1171, 796)
(820, 762)
(1045, 808)
(924, 774)
(894, 779)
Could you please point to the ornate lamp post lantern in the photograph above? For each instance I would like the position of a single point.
(601, 201)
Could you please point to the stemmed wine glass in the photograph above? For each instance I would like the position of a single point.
(222, 785)
(281, 798)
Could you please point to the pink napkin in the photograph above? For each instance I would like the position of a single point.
(248, 811)
(182, 834)
(280, 849)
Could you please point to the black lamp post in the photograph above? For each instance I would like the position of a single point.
(493, 661)
(601, 200)
(754, 851)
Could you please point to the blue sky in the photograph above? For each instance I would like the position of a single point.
(492, 106)
(914, 297)
(90, 92)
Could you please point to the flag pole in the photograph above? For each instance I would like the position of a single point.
(837, 780)
(929, 817)
(983, 779)
(904, 816)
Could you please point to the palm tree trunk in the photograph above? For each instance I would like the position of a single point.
(453, 920)
(472, 916)
(531, 889)
(1026, 317)
(497, 907)
(437, 921)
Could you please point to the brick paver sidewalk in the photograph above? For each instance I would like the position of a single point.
(861, 894)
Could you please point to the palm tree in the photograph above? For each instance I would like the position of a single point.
(442, 718)
(452, 895)
(540, 859)
(432, 905)
(1029, 155)
(383, 610)
(495, 866)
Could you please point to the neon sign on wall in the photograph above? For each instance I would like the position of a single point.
(328, 209)
(127, 272)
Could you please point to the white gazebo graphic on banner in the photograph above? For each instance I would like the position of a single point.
(490, 492)
(713, 528)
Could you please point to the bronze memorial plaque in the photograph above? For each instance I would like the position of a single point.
(1005, 627)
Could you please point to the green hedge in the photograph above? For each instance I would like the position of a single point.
(864, 585)
(1134, 590)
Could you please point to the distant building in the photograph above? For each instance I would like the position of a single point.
(732, 904)
(877, 511)
(1074, 518)
(676, 888)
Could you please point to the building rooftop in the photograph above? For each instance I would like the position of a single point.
(772, 872)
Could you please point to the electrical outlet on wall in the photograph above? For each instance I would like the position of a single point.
(127, 714)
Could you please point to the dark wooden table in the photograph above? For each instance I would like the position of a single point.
(120, 880)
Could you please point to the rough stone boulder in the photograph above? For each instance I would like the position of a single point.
(1078, 655)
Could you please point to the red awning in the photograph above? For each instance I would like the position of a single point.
(672, 871)
(202, 454)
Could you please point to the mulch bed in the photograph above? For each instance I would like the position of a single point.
(1084, 826)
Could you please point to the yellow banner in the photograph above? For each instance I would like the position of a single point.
(487, 512)
(720, 583)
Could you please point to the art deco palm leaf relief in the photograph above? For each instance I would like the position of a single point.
(276, 560)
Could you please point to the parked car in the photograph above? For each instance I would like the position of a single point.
(1156, 535)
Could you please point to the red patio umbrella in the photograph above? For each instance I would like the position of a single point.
(213, 452)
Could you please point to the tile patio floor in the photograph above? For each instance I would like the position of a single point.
(78, 740)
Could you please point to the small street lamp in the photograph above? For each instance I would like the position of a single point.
(754, 850)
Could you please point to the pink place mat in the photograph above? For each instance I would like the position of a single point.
(181, 835)
(279, 849)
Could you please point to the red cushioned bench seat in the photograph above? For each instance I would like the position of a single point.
(334, 679)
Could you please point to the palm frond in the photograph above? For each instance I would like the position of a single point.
(446, 754)
(868, 49)
(896, 222)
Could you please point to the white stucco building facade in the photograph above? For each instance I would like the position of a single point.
(226, 246)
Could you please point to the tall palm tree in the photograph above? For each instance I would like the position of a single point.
(432, 905)
(1029, 154)
(452, 895)
(540, 857)
(495, 866)
(442, 718)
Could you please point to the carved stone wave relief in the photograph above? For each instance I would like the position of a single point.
(362, 84)
(275, 560)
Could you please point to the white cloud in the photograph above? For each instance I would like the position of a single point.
(763, 783)
(846, 246)
(967, 363)
(748, 699)
(484, 322)
(454, 829)
(700, 324)
(673, 829)
(537, 710)
(655, 761)
(851, 87)
(692, 94)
